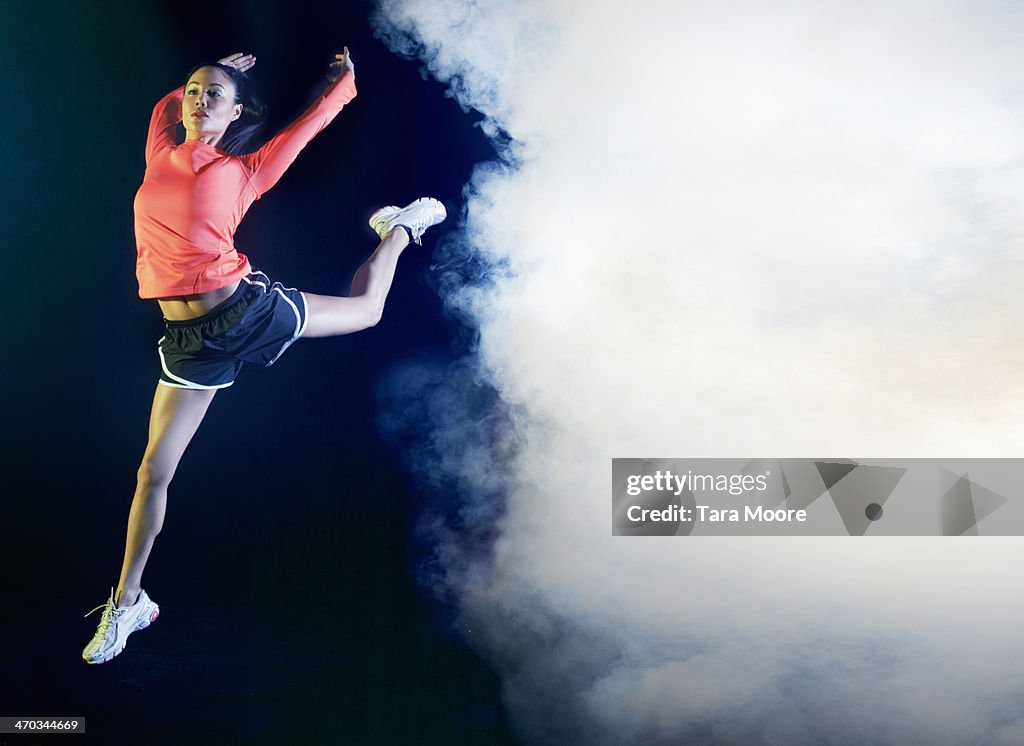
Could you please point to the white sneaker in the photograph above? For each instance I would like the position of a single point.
(115, 626)
(416, 217)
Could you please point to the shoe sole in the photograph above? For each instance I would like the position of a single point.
(143, 623)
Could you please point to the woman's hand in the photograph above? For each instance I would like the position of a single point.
(342, 64)
(239, 61)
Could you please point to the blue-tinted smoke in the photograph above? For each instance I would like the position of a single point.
(723, 229)
(454, 432)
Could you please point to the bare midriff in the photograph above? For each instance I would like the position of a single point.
(185, 307)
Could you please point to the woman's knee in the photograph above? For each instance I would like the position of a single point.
(374, 314)
(153, 475)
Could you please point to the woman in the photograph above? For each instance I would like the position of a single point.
(219, 312)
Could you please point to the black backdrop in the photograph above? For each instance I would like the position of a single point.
(286, 566)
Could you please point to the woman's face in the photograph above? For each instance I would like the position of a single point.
(209, 105)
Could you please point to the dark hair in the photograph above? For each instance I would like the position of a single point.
(241, 132)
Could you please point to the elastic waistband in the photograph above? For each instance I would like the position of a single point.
(219, 310)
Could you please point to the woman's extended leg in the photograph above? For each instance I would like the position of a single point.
(329, 315)
(174, 420)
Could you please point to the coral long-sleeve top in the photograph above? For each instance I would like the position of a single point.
(193, 196)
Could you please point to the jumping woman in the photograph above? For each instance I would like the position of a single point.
(219, 312)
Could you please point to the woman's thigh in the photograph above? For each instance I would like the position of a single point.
(174, 419)
(331, 315)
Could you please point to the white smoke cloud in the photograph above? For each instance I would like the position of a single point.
(732, 229)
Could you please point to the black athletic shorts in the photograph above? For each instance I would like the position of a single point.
(255, 325)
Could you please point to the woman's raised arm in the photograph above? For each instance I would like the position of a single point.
(163, 123)
(271, 161)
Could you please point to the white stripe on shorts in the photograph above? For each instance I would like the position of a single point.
(183, 383)
(256, 282)
(299, 324)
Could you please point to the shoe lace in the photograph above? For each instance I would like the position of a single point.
(109, 616)
(419, 221)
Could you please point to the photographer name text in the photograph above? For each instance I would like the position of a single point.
(708, 514)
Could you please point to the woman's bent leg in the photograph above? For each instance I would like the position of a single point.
(174, 420)
(329, 315)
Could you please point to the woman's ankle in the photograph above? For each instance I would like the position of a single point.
(126, 597)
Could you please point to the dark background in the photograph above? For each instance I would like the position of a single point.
(285, 570)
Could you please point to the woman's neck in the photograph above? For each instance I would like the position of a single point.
(213, 140)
